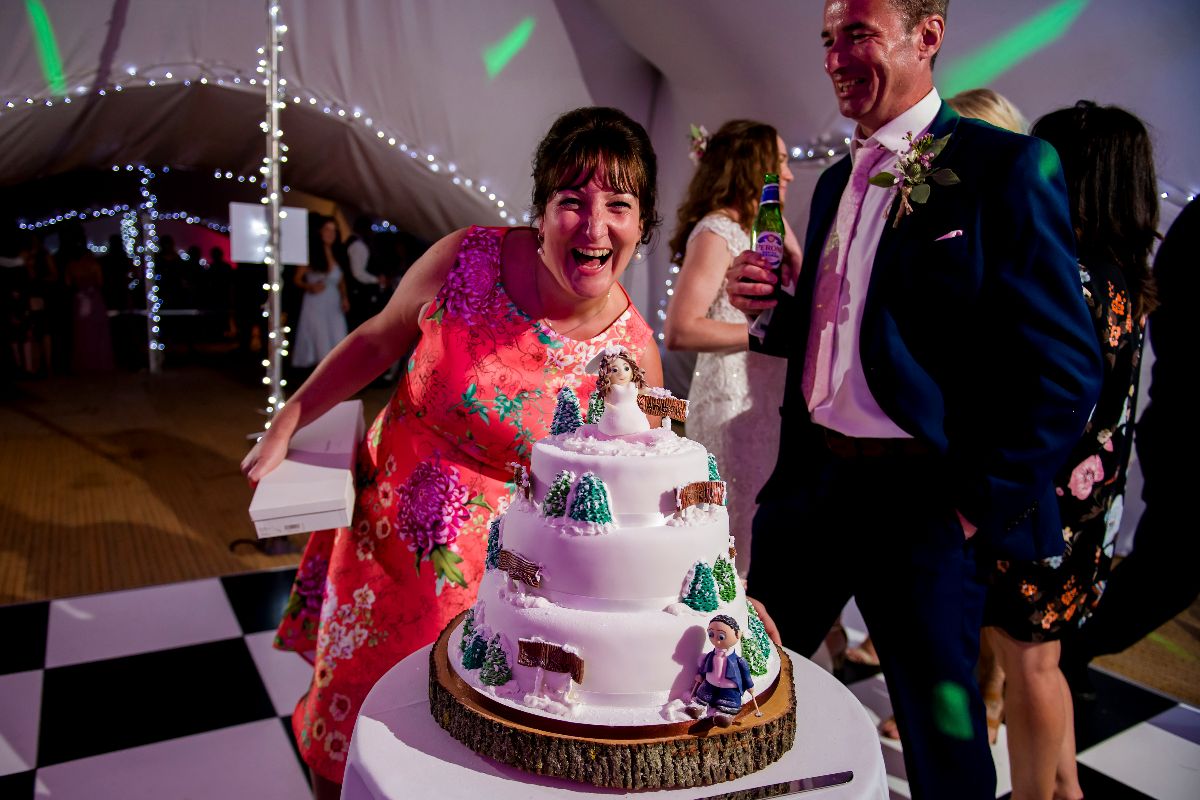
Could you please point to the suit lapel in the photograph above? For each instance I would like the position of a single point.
(895, 242)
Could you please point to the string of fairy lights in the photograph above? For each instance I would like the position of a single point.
(267, 76)
(272, 170)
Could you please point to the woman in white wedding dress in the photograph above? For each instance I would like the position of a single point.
(735, 395)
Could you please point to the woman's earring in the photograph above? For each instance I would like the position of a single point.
(541, 240)
(637, 253)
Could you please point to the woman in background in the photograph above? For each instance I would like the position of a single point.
(1108, 163)
(735, 394)
(325, 303)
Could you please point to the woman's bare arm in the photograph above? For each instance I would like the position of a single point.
(359, 358)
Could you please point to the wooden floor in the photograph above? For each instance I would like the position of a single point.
(125, 480)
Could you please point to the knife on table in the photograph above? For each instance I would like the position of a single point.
(787, 787)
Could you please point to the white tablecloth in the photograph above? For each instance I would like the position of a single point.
(399, 752)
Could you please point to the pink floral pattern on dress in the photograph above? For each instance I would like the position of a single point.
(477, 391)
(1084, 476)
(432, 507)
(471, 289)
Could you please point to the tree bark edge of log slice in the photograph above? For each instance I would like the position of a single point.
(704, 756)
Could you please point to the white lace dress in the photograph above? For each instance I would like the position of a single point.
(733, 407)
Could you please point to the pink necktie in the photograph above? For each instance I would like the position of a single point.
(827, 293)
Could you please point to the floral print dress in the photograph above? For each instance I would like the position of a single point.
(1043, 600)
(478, 391)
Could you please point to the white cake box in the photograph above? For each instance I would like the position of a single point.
(313, 489)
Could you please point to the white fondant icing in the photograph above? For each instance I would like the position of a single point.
(640, 476)
(627, 563)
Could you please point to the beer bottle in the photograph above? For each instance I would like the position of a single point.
(768, 242)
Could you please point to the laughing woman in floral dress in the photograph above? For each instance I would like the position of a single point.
(1109, 168)
(498, 320)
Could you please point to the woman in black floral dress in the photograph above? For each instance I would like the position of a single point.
(1109, 168)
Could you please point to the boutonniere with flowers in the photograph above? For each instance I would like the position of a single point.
(698, 138)
(915, 169)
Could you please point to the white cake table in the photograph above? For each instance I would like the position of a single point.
(398, 751)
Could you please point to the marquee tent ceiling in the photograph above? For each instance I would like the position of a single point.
(419, 70)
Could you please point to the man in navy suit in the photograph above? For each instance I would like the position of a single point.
(941, 363)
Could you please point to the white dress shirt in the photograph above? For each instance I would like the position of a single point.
(850, 408)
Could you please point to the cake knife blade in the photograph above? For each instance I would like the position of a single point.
(790, 787)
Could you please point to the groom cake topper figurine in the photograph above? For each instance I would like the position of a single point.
(722, 676)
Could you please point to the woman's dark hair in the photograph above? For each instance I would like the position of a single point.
(729, 175)
(591, 138)
(1108, 162)
(316, 246)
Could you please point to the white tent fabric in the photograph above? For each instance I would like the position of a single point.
(415, 69)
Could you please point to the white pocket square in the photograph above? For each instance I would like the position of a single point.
(950, 235)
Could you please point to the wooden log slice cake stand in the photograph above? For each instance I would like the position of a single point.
(668, 756)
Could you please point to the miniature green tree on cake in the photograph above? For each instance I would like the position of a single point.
(713, 474)
(702, 593)
(590, 503)
(468, 629)
(473, 655)
(595, 408)
(756, 646)
(493, 545)
(566, 412)
(495, 670)
(726, 579)
(555, 504)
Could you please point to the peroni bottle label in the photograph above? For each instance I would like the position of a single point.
(769, 245)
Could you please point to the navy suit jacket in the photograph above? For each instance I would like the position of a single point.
(979, 345)
(737, 669)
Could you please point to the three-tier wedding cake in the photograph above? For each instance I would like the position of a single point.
(605, 581)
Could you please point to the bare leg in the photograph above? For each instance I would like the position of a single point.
(1066, 777)
(991, 682)
(1037, 720)
(325, 789)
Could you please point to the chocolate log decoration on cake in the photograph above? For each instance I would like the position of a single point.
(663, 406)
(550, 657)
(519, 569)
(700, 492)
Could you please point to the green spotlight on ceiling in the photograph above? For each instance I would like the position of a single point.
(47, 46)
(1009, 49)
(496, 56)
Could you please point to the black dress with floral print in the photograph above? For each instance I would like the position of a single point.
(1041, 600)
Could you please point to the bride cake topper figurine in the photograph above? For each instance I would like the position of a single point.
(620, 382)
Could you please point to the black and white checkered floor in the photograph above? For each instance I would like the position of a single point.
(175, 692)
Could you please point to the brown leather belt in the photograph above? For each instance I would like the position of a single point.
(852, 447)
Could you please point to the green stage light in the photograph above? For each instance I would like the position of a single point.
(496, 56)
(1009, 49)
(47, 46)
